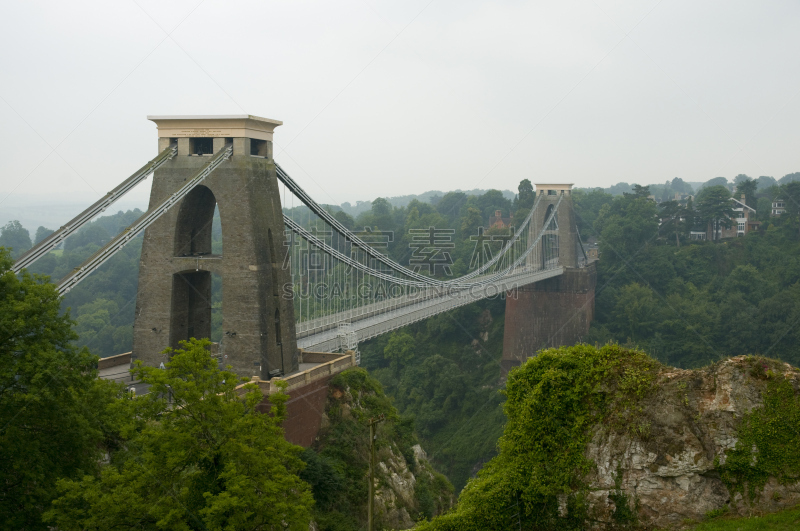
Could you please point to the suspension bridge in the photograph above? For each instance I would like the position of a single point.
(296, 284)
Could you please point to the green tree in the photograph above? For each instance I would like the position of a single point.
(93, 324)
(526, 195)
(714, 207)
(587, 204)
(790, 177)
(766, 182)
(345, 219)
(15, 236)
(41, 234)
(451, 204)
(380, 217)
(641, 191)
(93, 233)
(638, 309)
(399, 350)
(55, 415)
(491, 201)
(746, 187)
(676, 219)
(619, 189)
(198, 456)
(626, 226)
(716, 181)
(681, 186)
(764, 208)
(470, 222)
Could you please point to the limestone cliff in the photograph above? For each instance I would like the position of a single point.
(398, 500)
(671, 465)
(407, 488)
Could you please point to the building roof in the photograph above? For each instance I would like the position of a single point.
(742, 204)
(223, 125)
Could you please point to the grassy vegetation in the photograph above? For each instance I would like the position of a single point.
(783, 521)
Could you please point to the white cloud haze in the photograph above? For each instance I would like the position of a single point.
(391, 98)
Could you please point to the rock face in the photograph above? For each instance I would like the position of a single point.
(669, 471)
(407, 488)
(395, 488)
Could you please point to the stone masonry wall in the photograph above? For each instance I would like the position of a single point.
(174, 282)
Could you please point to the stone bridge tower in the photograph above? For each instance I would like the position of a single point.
(556, 311)
(177, 262)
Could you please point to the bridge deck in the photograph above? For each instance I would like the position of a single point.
(322, 335)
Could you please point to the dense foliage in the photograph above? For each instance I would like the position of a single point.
(54, 413)
(552, 402)
(196, 455)
(16, 238)
(688, 302)
(685, 302)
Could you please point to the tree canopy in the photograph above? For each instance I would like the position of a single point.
(790, 193)
(526, 195)
(714, 206)
(41, 234)
(626, 226)
(16, 237)
(55, 415)
(716, 181)
(747, 187)
(197, 456)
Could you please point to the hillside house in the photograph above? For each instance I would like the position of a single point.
(499, 222)
(742, 222)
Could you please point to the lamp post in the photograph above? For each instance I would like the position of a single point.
(373, 428)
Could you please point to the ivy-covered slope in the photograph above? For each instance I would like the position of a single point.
(610, 438)
(407, 487)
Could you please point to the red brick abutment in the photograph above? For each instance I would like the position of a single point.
(552, 313)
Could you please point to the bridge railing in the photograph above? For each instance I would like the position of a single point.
(337, 364)
(381, 323)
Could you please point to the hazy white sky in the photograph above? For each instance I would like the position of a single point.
(390, 98)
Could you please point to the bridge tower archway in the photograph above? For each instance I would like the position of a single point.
(194, 222)
(190, 314)
(177, 261)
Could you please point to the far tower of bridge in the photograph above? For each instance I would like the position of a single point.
(177, 262)
(556, 311)
(560, 240)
